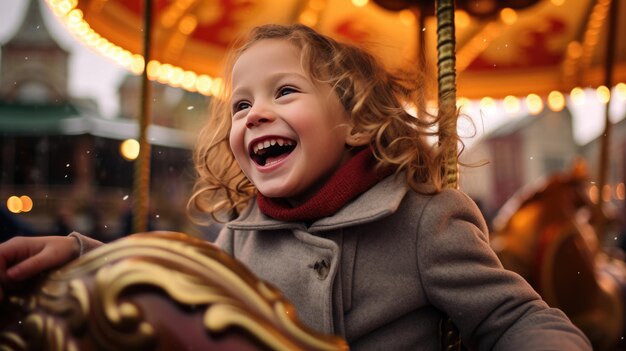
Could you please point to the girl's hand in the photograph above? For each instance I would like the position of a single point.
(22, 257)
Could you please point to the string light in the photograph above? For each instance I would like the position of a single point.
(461, 19)
(556, 101)
(14, 204)
(27, 203)
(463, 103)
(603, 93)
(578, 96)
(534, 104)
(511, 104)
(619, 191)
(129, 149)
(620, 91)
(488, 105)
(508, 15)
(73, 18)
(359, 3)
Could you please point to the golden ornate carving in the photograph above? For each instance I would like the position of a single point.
(158, 291)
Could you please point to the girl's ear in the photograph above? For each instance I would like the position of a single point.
(358, 139)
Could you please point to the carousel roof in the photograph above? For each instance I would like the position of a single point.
(551, 45)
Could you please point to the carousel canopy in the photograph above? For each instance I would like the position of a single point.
(544, 46)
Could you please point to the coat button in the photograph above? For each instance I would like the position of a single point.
(321, 267)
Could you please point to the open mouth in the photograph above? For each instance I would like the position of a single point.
(271, 150)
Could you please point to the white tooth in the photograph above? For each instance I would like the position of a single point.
(255, 148)
(267, 143)
(273, 141)
(260, 146)
(280, 142)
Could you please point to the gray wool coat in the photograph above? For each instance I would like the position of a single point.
(381, 271)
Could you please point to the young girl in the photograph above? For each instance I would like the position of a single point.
(336, 198)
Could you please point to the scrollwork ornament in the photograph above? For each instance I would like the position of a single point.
(158, 291)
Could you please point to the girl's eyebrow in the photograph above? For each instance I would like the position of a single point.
(272, 79)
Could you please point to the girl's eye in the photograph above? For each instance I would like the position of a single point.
(240, 105)
(286, 91)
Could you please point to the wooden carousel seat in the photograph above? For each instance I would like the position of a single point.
(155, 291)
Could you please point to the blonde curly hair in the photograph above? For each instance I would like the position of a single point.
(376, 102)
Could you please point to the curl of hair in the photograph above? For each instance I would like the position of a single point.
(376, 101)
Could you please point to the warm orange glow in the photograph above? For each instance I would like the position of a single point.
(461, 19)
(153, 69)
(574, 49)
(217, 88)
(129, 149)
(407, 17)
(556, 101)
(359, 3)
(578, 96)
(27, 203)
(177, 76)
(73, 19)
(508, 15)
(14, 204)
(619, 191)
(603, 93)
(189, 80)
(534, 104)
(511, 104)
(203, 84)
(593, 194)
(488, 105)
(620, 91)
(463, 103)
(164, 73)
(606, 193)
(308, 18)
(188, 24)
(557, 2)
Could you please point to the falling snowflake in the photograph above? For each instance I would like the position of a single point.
(125, 198)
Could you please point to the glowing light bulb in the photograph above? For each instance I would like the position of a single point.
(534, 104)
(488, 105)
(14, 204)
(508, 16)
(603, 93)
(511, 104)
(556, 101)
(27, 203)
(129, 149)
(578, 96)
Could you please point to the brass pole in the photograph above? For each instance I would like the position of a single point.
(606, 136)
(446, 79)
(141, 185)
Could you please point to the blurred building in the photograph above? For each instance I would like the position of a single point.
(516, 154)
(61, 153)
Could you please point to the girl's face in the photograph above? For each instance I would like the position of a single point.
(288, 132)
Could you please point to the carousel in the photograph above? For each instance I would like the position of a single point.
(115, 297)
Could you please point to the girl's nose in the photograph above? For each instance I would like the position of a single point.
(256, 118)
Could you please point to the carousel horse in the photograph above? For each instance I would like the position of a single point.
(546, 234)
(154, 291)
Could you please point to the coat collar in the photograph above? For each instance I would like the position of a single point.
(380, 201)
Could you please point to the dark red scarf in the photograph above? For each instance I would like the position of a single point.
(351, 180)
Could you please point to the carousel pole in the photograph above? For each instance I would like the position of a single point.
(446, 80)
(606, 136)
(141, 184)
(449, 337)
